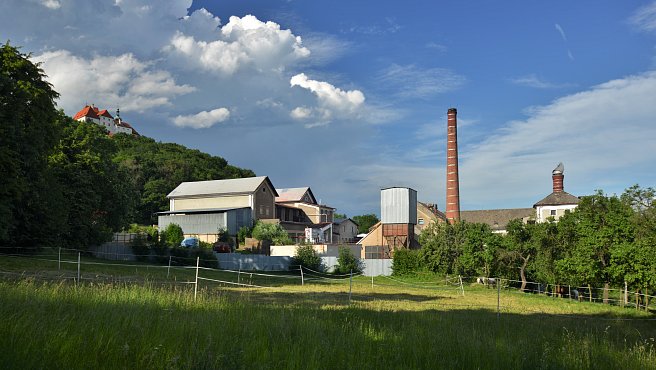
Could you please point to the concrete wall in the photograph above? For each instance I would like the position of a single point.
(323, 250)
(237, 261)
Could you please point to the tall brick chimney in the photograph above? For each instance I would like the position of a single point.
(452, 185)
(557, 175)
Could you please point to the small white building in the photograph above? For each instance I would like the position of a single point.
(558, 202)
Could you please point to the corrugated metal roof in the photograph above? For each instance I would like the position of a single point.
(218, 187)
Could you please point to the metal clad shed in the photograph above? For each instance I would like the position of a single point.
(398, 206)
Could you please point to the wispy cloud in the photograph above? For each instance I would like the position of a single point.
(580, 130)
(435, 46)
(410, 81)
(388, 26)
(536, 82)
(645, 18)
(561, 31)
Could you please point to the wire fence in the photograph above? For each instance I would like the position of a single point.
(452, 292)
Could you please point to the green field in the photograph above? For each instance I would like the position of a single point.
(130, 315)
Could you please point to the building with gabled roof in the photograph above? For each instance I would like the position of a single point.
(202, 208)
(559, 201)
(92, 114)
(297, 209)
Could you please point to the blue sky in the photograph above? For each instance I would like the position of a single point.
(348, 97)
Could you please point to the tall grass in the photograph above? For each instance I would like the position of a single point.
(106, 322)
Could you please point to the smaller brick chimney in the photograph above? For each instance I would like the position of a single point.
(557, 176)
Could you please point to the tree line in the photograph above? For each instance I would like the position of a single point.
(606, 241)
(69, 183)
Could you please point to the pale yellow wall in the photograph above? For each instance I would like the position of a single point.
(375, 237)
(311, 211)
(234, 201)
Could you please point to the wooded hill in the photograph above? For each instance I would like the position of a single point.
(66, 183)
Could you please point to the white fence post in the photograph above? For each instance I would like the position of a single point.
(78, 267)
(498, 297)
(196, 283)
(302, 280)
(461, 286)
(239, 273)
(59, 260)
(168, 270)
(350, 286)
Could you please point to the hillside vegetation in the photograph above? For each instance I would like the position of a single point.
(68, 183)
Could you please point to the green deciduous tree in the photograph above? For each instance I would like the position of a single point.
(346, 262)
(604, 237)
(28, 134)
(273, 233)
(307, 257)
(365, 222)
(98, 193)
(172, 235)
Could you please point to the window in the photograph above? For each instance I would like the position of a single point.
(552, 212)
(420, 221)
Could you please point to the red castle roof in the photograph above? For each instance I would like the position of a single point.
(87, 111)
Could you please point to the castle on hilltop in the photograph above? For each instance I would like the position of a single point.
(91, 113)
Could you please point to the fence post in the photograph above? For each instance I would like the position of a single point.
(302, 280)
(590, 291)
(168, 270)
(461, 286)
(239, 273)
(59, 260)
(196, 282)
(372, 280)
(626, 292)
(350, 286)
(498, 297)
(78, 267)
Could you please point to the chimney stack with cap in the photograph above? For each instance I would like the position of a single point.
(452, 184)
(558, 175)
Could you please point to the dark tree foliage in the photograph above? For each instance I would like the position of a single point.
(155, 169)
(28, 134)
(365, 222)
(97, 192)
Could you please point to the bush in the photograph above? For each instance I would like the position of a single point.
(306, 256)
(172, 235)
(347, 263)
(273, 233)
(243, 233)
(140, 248)
(405, 262)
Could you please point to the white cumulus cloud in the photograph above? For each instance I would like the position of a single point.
(328, 95)
(51, 4)
(121, 80)
(202, 119)
(241, 44)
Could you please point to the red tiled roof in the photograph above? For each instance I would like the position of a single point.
(87, 111)
(105, 113)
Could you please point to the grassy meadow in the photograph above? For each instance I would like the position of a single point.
(129, 315)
